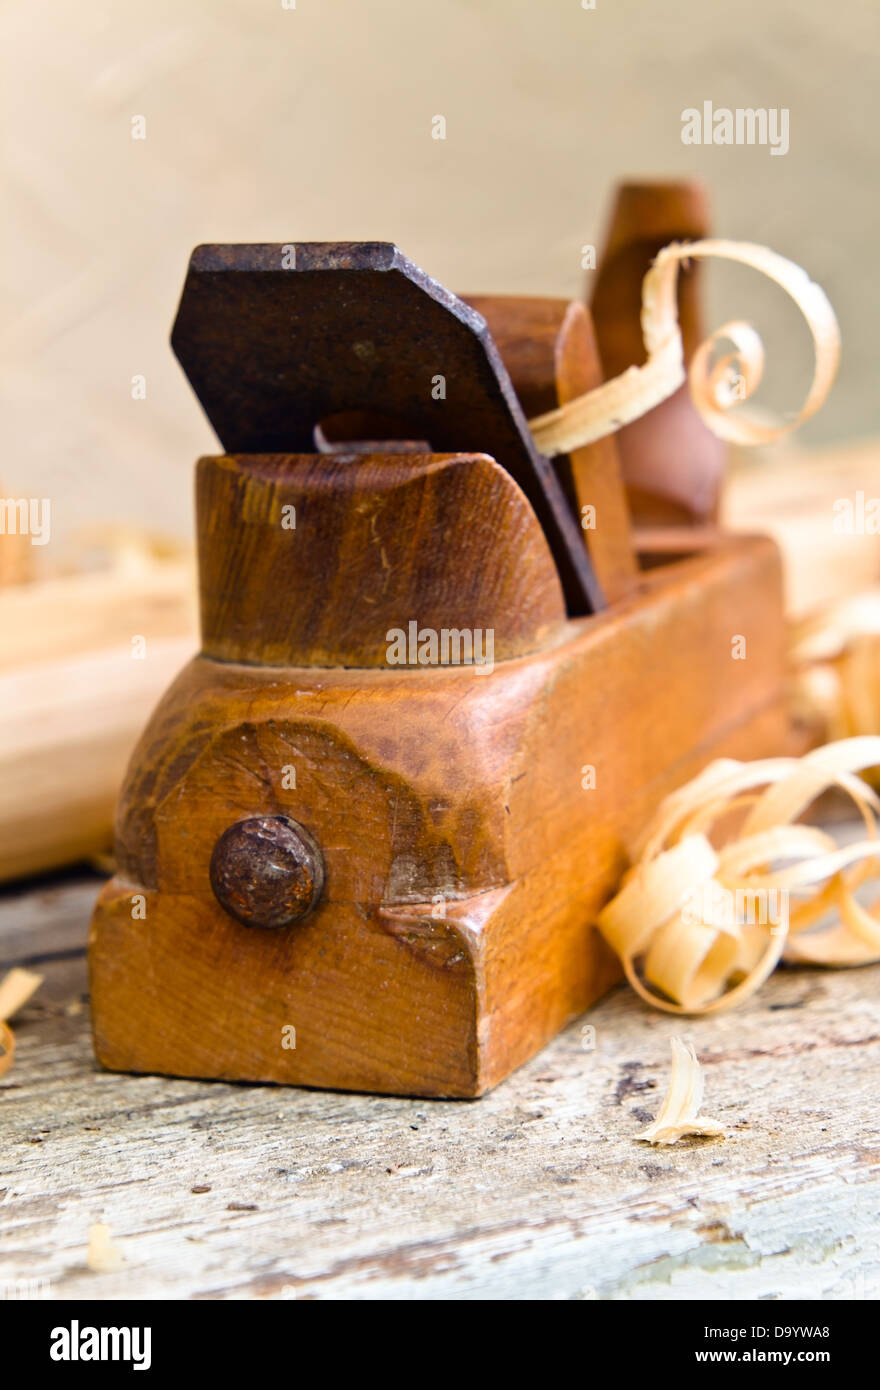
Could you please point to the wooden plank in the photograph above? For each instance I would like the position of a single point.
(67, 730)
(798, 497)
(536, 1191)
(84, 659)
(46, 919)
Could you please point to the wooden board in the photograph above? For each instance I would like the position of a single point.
(83, 660)
(796, 497)
(536, 1191)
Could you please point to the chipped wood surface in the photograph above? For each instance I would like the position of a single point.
(536, 1191)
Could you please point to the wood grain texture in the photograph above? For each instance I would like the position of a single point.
(549, 348)
(83, 661)
(380, 540)
(465, 859)
(360, 328)
(67, 730)
(216, 1191)
(673, 465)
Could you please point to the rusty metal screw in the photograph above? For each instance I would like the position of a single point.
(267, 871)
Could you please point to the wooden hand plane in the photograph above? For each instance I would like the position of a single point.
(364, 838)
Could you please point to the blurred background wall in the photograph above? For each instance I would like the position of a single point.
(266, 123)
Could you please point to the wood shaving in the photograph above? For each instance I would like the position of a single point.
(836, 655)
(680, 1112)
(699, 926)
(103, 1255)
(716, 383)
(16, 989)
(7, 1048)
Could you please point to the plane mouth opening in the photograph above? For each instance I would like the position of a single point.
(365, 432)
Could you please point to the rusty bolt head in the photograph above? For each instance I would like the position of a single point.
(267, 871)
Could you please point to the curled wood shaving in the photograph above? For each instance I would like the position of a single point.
(7, 1048)
(836, 654)
(680, 1112)
(16, 989)
(716, 384)
(699, 926)
(103, 1255)
(827, 633)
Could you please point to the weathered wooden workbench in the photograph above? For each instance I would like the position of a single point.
(538, 1190)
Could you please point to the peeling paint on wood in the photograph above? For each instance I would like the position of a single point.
(536, 1191)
